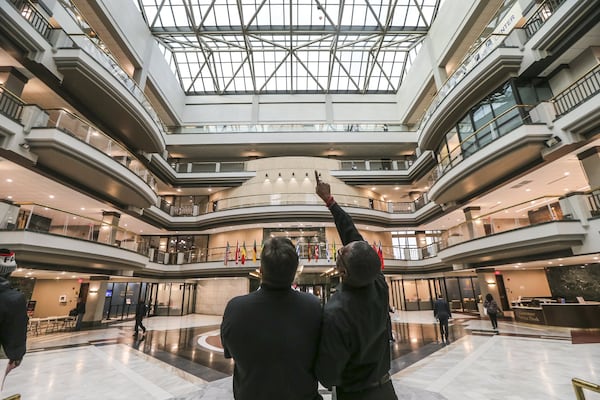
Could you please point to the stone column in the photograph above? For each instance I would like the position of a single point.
(109, 227)
(474, 228)
(590, 161)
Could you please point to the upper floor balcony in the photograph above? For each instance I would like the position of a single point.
(537, 228)
(488, 156)
(80, 152)
(205, 213)
(24, 23)
(97, 81)
(494, 61)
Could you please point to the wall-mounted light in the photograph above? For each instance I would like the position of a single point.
(293, 174)
(93, 291)
(491, 283)
(280, 174)
(266, 175)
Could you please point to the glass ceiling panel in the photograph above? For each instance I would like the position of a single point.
(283, 46)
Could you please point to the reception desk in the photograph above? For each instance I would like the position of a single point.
(573, 315)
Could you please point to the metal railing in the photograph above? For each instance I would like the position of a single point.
(540, 16)
(89, 134)
(277, 128)
(580, 384)
(33, 16)
(578, 92)
(594, 202)
(207, 167)
(471, 60)
(377, 165)
(11, 106)
(46, 219)
(536, 211)
(205, 206)
(503, 124)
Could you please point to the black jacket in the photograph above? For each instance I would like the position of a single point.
(13, 321)
(272, 335)
(441, 309)
(141, 309)
(354, 351)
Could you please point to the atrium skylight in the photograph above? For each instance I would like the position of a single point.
(298, 46)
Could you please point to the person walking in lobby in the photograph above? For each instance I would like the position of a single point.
(491, 308)
(140, 312)
(272, 334)
(354, 352)
(79, 311)
(441, 312)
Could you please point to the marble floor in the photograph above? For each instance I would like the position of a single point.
(180, 358)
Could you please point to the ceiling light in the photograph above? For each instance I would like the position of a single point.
(51, 196)
(9, 180)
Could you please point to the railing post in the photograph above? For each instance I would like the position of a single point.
(574, 207)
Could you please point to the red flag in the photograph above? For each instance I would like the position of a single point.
(380, 254)
(244, 253)
(317, 252)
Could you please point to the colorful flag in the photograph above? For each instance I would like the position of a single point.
(226, 261)
(309, 251)
(244, 253)
(380, 254)
(317, 252)
(237, 251)
(254, 252)
(298, 248)
(327, 252)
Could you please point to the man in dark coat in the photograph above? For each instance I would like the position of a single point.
(272, 334)
(441, 312)
(354, 352)
(140, 312)
(13, 313)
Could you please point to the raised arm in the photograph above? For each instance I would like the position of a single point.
(343, 222)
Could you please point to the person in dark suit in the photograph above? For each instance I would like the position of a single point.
(140, 312)
(441, 312)
(272, 334)
(79, 312)
(354, 352)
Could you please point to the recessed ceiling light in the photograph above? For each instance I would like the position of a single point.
(373, 188)
(567, 173)
(528, 190)
(51, 196)
(397, 188)
(9, 197)
(82, 208)
(9, 180)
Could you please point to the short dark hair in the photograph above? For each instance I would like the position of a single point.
(279, 262)
(362, 264)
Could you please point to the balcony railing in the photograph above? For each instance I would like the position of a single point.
(99, 53)
(45, 219)
(503, 124)
(33, 16)
(207, 167)
(314, 253)
(10, 105)
(277, 128)
(578, 92)
(87, 133)
(536, 211)
(472, 59)
(594, 202)
(377, 165)
(540, 16)
(287, 199)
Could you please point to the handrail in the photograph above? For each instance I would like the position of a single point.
(461, 71)
(34, 17)
(277, 128)
(540, 16)
(88, 133)
(10, 104)
(511, 222)
(560, 100)
(269, 199)
(59, 222)
(443, 166)
(580, 384)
